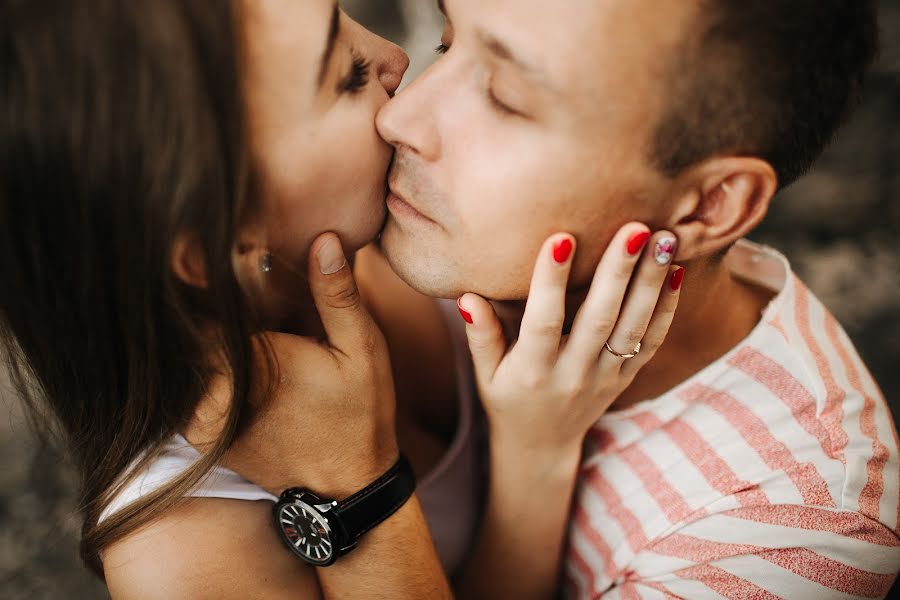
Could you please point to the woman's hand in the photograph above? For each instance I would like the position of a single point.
(327, 422)
(547, 391)
(544, 394)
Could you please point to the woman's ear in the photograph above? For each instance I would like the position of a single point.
(721, 201)
(188, 263)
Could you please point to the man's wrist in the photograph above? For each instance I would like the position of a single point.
(346, 475)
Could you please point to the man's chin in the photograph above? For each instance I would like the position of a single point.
(416, 262)
(431, 269)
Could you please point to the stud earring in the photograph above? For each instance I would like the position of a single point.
(265, 263)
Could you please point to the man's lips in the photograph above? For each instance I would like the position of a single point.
(400, 208)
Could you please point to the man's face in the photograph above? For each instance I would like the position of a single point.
(537, 120)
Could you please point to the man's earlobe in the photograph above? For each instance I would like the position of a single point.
(723, 201)
(188, 263)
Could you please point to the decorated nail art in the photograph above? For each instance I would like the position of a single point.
(665, 251)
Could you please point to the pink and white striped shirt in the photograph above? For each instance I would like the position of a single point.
(773, 473)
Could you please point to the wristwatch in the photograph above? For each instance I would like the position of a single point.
(320, 530)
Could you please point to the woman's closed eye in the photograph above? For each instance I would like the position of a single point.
(358, 76)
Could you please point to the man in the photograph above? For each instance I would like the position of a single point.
(752, 457)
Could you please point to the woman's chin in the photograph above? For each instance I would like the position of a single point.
(366, 232)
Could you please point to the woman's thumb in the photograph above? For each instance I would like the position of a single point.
(486, 340)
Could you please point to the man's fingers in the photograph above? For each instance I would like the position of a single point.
(545, 310)
(348, 325)
(597, 317)
(486, 340)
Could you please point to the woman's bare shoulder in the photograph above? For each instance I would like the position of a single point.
(208, 548)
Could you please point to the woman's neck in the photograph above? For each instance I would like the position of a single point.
(294, 312)
(287, 305)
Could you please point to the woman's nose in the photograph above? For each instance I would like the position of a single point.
(393, 65)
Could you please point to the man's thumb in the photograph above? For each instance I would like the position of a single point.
(347, 322)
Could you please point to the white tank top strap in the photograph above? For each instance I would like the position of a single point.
(178, 456)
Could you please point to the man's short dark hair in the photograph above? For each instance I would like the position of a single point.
(768, 78)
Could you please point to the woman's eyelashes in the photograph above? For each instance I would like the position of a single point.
(358, 76)
(442, 48)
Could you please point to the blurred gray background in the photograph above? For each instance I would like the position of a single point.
(839, 226)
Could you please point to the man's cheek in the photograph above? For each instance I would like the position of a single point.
(505, 264)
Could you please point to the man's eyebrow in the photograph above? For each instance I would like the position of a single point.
(442, 7)
(329, 44)
(503, 52)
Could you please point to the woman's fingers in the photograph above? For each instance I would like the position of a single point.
(642, 298)
(348, 325)
(545, 310)
(597, 317)
(486, 340)
(659, 324)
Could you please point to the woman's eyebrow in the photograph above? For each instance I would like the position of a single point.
(330, 42)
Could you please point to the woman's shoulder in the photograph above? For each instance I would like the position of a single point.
(207, 548)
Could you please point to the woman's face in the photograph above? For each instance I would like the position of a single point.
(314, 81)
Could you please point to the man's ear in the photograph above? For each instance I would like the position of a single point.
(188, 263)
(720, 201)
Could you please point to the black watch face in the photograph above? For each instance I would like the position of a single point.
(306, 531)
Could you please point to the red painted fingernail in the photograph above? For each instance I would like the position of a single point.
(637, 242)
(562, 251)
(466, 315)
(677, 279)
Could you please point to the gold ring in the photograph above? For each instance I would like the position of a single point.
(635, 352)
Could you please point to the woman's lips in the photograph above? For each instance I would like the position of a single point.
(401, 209)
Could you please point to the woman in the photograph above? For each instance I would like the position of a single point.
(168, 168)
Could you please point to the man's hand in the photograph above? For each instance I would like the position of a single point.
(328, 425)
(327, 420)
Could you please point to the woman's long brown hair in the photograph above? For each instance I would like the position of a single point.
(121, 127)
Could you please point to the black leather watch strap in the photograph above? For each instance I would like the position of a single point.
(373, 504)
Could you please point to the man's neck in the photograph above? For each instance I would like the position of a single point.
(715, 313)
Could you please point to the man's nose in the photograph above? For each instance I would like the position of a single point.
(409, 120)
